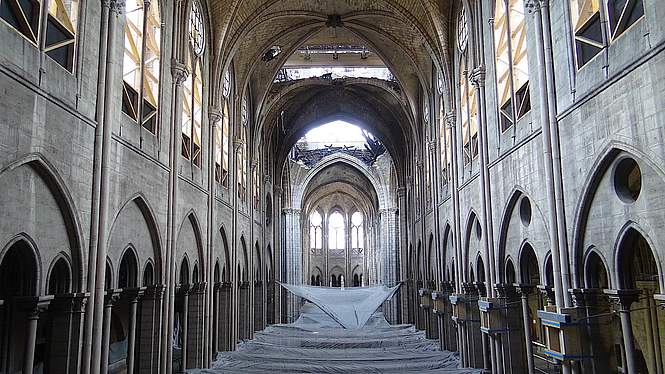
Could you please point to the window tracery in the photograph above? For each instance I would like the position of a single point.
(469, 115)
(512, 64)
(357, 233)
(316, 233)
(242, 152)
(222, 145)
(141, 62)
(192, 104)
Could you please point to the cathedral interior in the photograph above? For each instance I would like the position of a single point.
(165, 166)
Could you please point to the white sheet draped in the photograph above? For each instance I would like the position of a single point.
(350, 307)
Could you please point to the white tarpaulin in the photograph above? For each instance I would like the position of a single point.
(316, 343)
(350, 307)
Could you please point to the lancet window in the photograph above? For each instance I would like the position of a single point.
(512, 64)
(192, 104)
(141, 62)
(336, 233)
(315, 233)
(242, 152)
(222, 135)
(357, 233)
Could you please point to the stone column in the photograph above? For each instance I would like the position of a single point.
(524, 290)
(179, 73)
(150, 328)
(67, 312)
(622, 300)
(195, 314)
(133, 296)
(402, 255)
(184, 290)
(293, 255)
(33, 307)
(110, 299)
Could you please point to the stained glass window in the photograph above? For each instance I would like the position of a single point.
(192, 105)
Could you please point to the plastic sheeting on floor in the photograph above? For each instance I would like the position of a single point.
(316, 343)
(351, 307)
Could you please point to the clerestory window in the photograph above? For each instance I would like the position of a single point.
(242, 153)
(59, 41)
(222, 135)
(192, 98)
(141, 62)
(512, 64)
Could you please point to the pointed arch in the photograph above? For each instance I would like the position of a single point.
(183, 274)
(244, 257)
(226, 267)
(148, 214)
(596, 273)
(128, 268)
(20, 270)
(613, 149)
(63, 198)
(192, 219)
(624, 260)
(59, 276)
(529, 268)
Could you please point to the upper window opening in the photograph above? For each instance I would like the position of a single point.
(463, 30)
(337, 137)
(512, 64)
(623, 14)
(336, 232)
(588, 29)
(192, 104)
(61, 26)
(196, 29)
(222, 135)
(469, 115)
(271, 53)
(141, 62)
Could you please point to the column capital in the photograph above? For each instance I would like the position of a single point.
(401, 191)
(524, 290)
(478, 76)
(535, 5)
(71, 302)
(115, 6)
(111, 297)
(450, 118)
(155, 292)
(237, 144)
(133, 294)
(291, 211)
(34, 306)
(254, 164)
(214, 114)
(179, 71)
(586, 296)
(622, 299)
(548, 292)
(505, 290)
(431, 145)
(184, 289)
(660, 300)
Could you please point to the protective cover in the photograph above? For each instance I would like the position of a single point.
(350, 307)
(316, 343)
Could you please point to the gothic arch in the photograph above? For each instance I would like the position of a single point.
(148, 215)
(613, 149)
(63, 198)
(22, 248)
(63, 262)
(191, 219)
(632, 229)
(299, 191)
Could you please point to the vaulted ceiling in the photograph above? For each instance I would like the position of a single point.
(409, 36)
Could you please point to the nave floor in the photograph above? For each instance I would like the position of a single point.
(316, 344)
